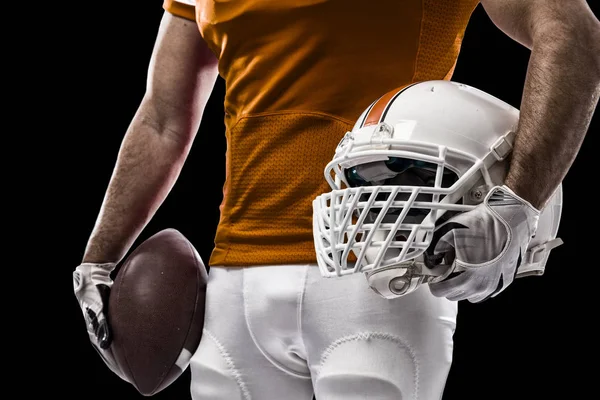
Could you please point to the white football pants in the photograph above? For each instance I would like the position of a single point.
(284, 332)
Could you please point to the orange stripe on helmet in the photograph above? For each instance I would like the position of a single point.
(379, 109)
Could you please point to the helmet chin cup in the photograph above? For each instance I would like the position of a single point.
(401, 279)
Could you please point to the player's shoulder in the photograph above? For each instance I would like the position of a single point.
(188, 2)
(181, 8)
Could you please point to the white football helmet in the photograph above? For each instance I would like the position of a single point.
(416, 157)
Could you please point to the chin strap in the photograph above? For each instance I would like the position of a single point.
(398, 280)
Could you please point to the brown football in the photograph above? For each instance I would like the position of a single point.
(156, 310)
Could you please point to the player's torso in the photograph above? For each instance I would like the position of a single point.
(298, 74)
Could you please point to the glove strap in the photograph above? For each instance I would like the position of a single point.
(534, 263)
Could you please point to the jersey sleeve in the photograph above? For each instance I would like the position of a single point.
(181, 8)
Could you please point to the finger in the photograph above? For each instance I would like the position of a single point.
(471, 288)
(446, 234)
(445, 244)
(449, 286)
(458, 296)
(484, 288)
(99, 327)
(104, 291)
(77, 281)
(92, 319)
(103, 335)
(481, 297)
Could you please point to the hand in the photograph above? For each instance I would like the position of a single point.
(92, 284)
(488, 244)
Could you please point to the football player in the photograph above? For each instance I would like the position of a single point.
(298, 76)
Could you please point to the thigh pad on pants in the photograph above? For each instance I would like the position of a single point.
(360, 366)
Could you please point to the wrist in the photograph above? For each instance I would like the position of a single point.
(524, 192)
(519, 198)
(98, 259)
(99, 251)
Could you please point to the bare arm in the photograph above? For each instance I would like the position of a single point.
(181, 77)
(561, 90)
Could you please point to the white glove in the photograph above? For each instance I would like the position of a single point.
(92, 284)
(488, 244)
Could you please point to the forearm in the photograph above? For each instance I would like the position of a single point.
(149, 162)
(560, 95)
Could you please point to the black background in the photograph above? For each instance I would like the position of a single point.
(537, 339)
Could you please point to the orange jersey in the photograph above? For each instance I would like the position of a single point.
(298, 74)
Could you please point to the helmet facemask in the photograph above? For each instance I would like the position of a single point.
(387, 200)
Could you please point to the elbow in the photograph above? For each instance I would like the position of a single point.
(175, 125)
(595, 44)
(578, 37)
(591, 50)
(588, 35)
